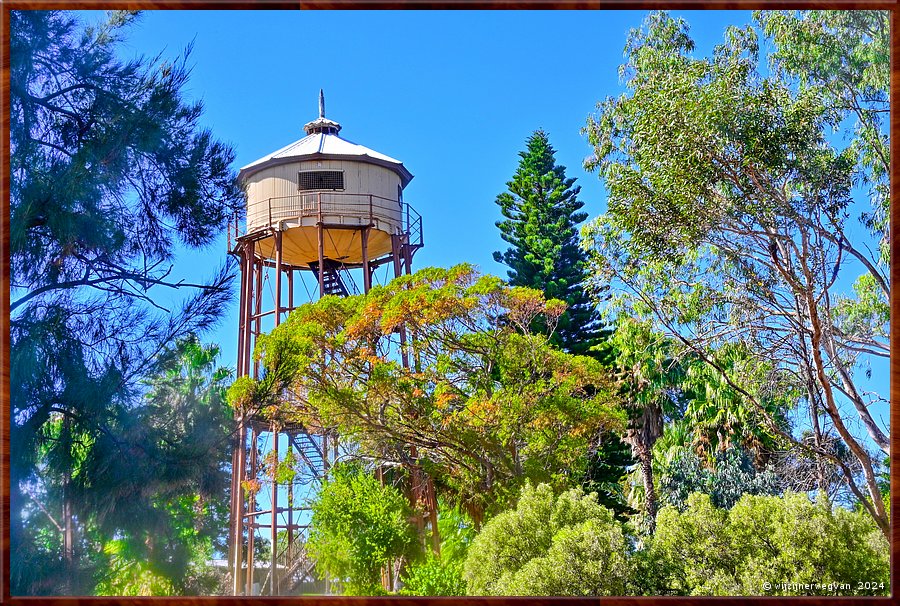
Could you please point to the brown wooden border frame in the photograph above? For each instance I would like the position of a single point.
(8, 5)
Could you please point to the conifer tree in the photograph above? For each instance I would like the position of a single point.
(542, 212)
(111, 175)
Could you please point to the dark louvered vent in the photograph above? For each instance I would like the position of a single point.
(330, 180)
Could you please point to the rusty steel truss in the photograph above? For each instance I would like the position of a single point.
(290, 569)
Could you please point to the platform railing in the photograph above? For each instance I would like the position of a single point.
(369, 209)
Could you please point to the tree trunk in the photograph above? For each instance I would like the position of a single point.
(645, 458)
(67, 513)
(641, 437)
(821, 478)
(876, 507)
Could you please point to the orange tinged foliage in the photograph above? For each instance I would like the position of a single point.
(482, 394)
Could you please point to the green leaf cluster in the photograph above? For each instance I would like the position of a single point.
(358, 527)
(442, 575)
(564, 545)
(764, 539)
(730, 476)
(542, 212)
(844, 58)
(433, 577)
(484, 402)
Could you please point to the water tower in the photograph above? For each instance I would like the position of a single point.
(323, 213)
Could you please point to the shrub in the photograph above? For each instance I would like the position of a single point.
(548, 545)
(705, 550)
(357, 527)
(434, 577)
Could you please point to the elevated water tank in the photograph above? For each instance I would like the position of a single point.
(324, 179)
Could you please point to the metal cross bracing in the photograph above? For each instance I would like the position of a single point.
(269, 514)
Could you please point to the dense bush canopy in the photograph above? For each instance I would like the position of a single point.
(358, 526)
(549, 545)
(769, 540)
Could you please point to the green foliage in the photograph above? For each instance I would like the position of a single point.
(730, 476)
(723, 413)
(286, 470)
(765, 539)
(165, 544)
(432, 577)
(160, 513)
(457, 532)
(160, 516)
(547, 545)
(650, 374)
(127, 575)
(728, 224)
(437, 576)
(484, 402)
(542, 213)
(843, 58)
(606, 470)
(126, 571)
(867, 314)
(241, 392)
(359, 526)
(109, 172)
(651, 381)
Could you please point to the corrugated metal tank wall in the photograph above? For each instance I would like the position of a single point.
(277, 187)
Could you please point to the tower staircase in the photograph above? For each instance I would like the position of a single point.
(332, 282)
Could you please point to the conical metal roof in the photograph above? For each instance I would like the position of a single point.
(323, 142)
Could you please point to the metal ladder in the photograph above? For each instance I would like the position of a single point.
(331, 278)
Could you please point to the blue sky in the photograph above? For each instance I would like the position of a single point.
(453, 94)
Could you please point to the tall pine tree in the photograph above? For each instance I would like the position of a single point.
(542, 212)
(111, 176)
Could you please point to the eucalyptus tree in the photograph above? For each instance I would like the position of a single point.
(729, 223)
(110, 172)
(844, 58)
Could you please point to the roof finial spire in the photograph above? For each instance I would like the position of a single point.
(322, 124)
